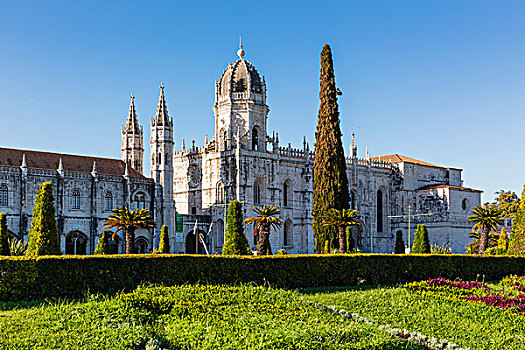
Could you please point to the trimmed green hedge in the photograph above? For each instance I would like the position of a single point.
(24, 278)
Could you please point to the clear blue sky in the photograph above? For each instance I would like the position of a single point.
(440, 81)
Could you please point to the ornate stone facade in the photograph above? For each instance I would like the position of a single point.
(241, 161)
(85, 191)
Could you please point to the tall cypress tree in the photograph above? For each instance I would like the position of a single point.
(330, 181)
(4, 236)
(235, 242)
(517, 235)
(400, 245)
(164, 244)
(43, 236)
(421, 241)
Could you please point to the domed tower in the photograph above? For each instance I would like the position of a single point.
(132, 133)
(240, 107)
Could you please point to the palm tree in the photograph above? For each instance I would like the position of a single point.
(486, 219)
(342, 219)
(123, 219)
(265, 220)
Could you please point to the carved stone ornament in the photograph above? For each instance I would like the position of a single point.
(194, 175)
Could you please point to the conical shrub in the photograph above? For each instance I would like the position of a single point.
(43, 235)
(4, 235)
(103, 247)
(235, 242)
(400, 245)
(164, 244)
(421, 242)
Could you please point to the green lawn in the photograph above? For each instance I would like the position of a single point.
(188, 317)
(468, 324)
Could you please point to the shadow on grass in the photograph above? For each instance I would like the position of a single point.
(19, 305)
(29, 304)
(329, 290)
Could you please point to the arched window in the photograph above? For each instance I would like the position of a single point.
(255, 139)
(76, 243)
(152, 159)
(287, 193)
(76, 199)
(379, 211)
(139, 201)
(4, 196)
(108, 201)
(141, 245)
(287, 233)
(219, 192)
(256, 193)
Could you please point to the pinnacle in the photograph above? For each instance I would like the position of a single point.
(162, 117)
(132, 123)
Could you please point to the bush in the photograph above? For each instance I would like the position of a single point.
(495, 251)
(400, 245)
(17, 247)
(164, 245)
(43, 236)
(103, 247)
(236, 242)
(4, 235)
(281, 252)
(440, 249)
(23, 278)
(503, 240)
(421, 243)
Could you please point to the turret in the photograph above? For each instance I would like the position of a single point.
(132, 149)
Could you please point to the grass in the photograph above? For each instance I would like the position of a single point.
(187, 317)
(468, 324)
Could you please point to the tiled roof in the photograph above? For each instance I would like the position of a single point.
(430, 187)
(70, 162)
(397, 158)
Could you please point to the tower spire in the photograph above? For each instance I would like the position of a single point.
(161, 117)
(132, 149)
(132, 123)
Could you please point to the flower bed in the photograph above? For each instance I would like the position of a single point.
(509, 295)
